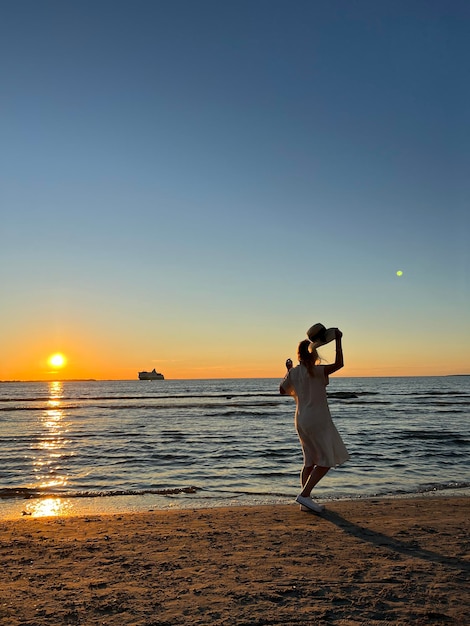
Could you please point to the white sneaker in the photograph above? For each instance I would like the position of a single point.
(310, 504)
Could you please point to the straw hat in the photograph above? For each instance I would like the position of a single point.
(319, 335)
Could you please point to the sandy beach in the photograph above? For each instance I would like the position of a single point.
(377, 561)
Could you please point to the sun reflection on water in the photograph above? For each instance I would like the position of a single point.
(50, 444)
(49, 507)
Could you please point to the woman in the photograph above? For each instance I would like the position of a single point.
(321, 443)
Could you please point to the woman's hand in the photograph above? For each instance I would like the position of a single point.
(289, 364)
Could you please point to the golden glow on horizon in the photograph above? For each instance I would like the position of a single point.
(376, 352)
(57, 360)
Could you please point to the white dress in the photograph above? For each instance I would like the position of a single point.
(321, 443)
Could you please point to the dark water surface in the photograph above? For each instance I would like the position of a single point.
(131, 445)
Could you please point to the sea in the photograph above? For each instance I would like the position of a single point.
(97, 447)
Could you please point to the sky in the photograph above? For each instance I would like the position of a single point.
(189, 185)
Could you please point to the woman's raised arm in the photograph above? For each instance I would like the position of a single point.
(339, 361)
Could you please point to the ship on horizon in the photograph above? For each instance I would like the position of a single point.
(153, 375)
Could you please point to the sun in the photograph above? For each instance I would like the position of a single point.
(57, 360)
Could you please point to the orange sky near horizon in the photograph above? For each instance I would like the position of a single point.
(28, 363)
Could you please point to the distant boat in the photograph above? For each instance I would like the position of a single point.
(153, 375)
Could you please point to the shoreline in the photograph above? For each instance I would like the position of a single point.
(66, 506)
(368, 561)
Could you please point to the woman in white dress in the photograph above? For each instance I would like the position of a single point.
(321, 443)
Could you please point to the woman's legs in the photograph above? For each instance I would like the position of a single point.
(309, 480)
(305, 473)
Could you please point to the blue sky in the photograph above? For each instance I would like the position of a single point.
(192, 184)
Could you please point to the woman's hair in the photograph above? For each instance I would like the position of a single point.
(306, 356)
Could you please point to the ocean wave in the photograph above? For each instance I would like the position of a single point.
(195, 397)
(29, 493)
(157, 403)
(26, 493)
(177, 396)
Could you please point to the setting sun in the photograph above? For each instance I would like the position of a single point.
(56, 360)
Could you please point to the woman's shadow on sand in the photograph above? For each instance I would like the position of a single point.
(408, 548)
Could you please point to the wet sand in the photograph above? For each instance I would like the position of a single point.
(377, 561)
